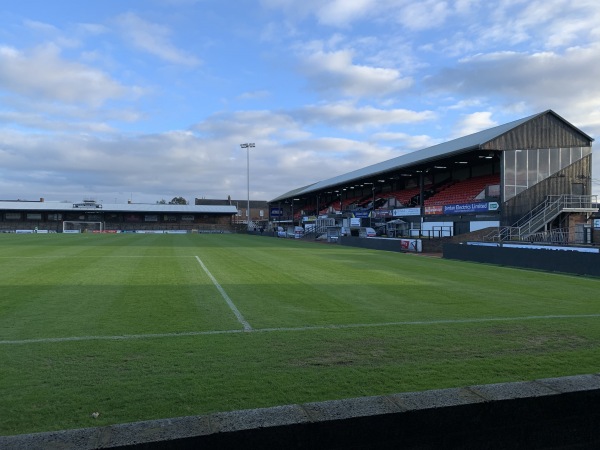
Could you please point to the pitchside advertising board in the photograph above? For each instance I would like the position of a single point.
(411, 245)
(462, 208)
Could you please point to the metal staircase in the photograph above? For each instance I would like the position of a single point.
(530, 224)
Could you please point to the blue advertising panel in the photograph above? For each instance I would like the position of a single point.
(276, 212)
(361, 214)
(467, 208)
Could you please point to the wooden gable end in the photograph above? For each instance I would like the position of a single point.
(545, 131)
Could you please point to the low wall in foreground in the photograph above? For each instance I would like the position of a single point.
(554, 413)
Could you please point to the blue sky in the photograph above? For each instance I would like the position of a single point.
(149, 100)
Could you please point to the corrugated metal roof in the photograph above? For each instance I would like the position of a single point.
(295, 192)
(449, 148)
(117, 207)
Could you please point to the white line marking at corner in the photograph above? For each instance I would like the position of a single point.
(296, 329)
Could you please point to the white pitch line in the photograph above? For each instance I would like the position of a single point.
(428, 322)
(124, 337)
(233, 308)
(280, 329)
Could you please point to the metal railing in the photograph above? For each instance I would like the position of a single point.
(542, 214)
(555, 236)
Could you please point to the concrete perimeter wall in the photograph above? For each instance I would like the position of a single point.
(549, 260)
(553, 413)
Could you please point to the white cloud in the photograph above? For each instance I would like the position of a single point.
(342, 12)
(565, 82)
(235, 128)
(43, 73)
(416, 16)
(254, 95)
(546, 23)
(91, 28)
(206, 163)
(423, 15)
(41, 27)
(349, 116)
(293, 8)
(332, 73)
(153, 39)
(405, 141)
(42, 122)
(474, 122)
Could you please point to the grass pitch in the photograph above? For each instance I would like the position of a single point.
(140, 327)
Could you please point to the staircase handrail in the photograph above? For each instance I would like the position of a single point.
(550, 207)
(546, 211)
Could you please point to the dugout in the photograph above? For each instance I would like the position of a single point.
(504, 178)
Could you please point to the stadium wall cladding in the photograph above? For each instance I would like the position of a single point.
(564, 261)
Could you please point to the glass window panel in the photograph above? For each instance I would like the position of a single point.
(532, 163)
(509, 192)
(554, 160)
(519, 189)
(575, 154)
(586, 151)
(565, 157)
(543, 164)
(509, 168)
(521, 169)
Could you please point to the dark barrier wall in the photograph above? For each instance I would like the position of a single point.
(390, 245)
(552, 413)
(550, 260)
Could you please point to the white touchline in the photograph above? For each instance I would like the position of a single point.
(309, 328)
(237, 313)
(124, 337)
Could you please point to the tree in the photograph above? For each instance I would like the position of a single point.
(178, 201)
(162, 201)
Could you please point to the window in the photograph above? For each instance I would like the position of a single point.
(524, 168)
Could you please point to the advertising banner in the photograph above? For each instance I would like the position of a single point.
(438, 209)
(382, 213)
(361, 214)
(276, 212)
(406, 212)
(411, 245)
(354, 222)
(468, 208)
